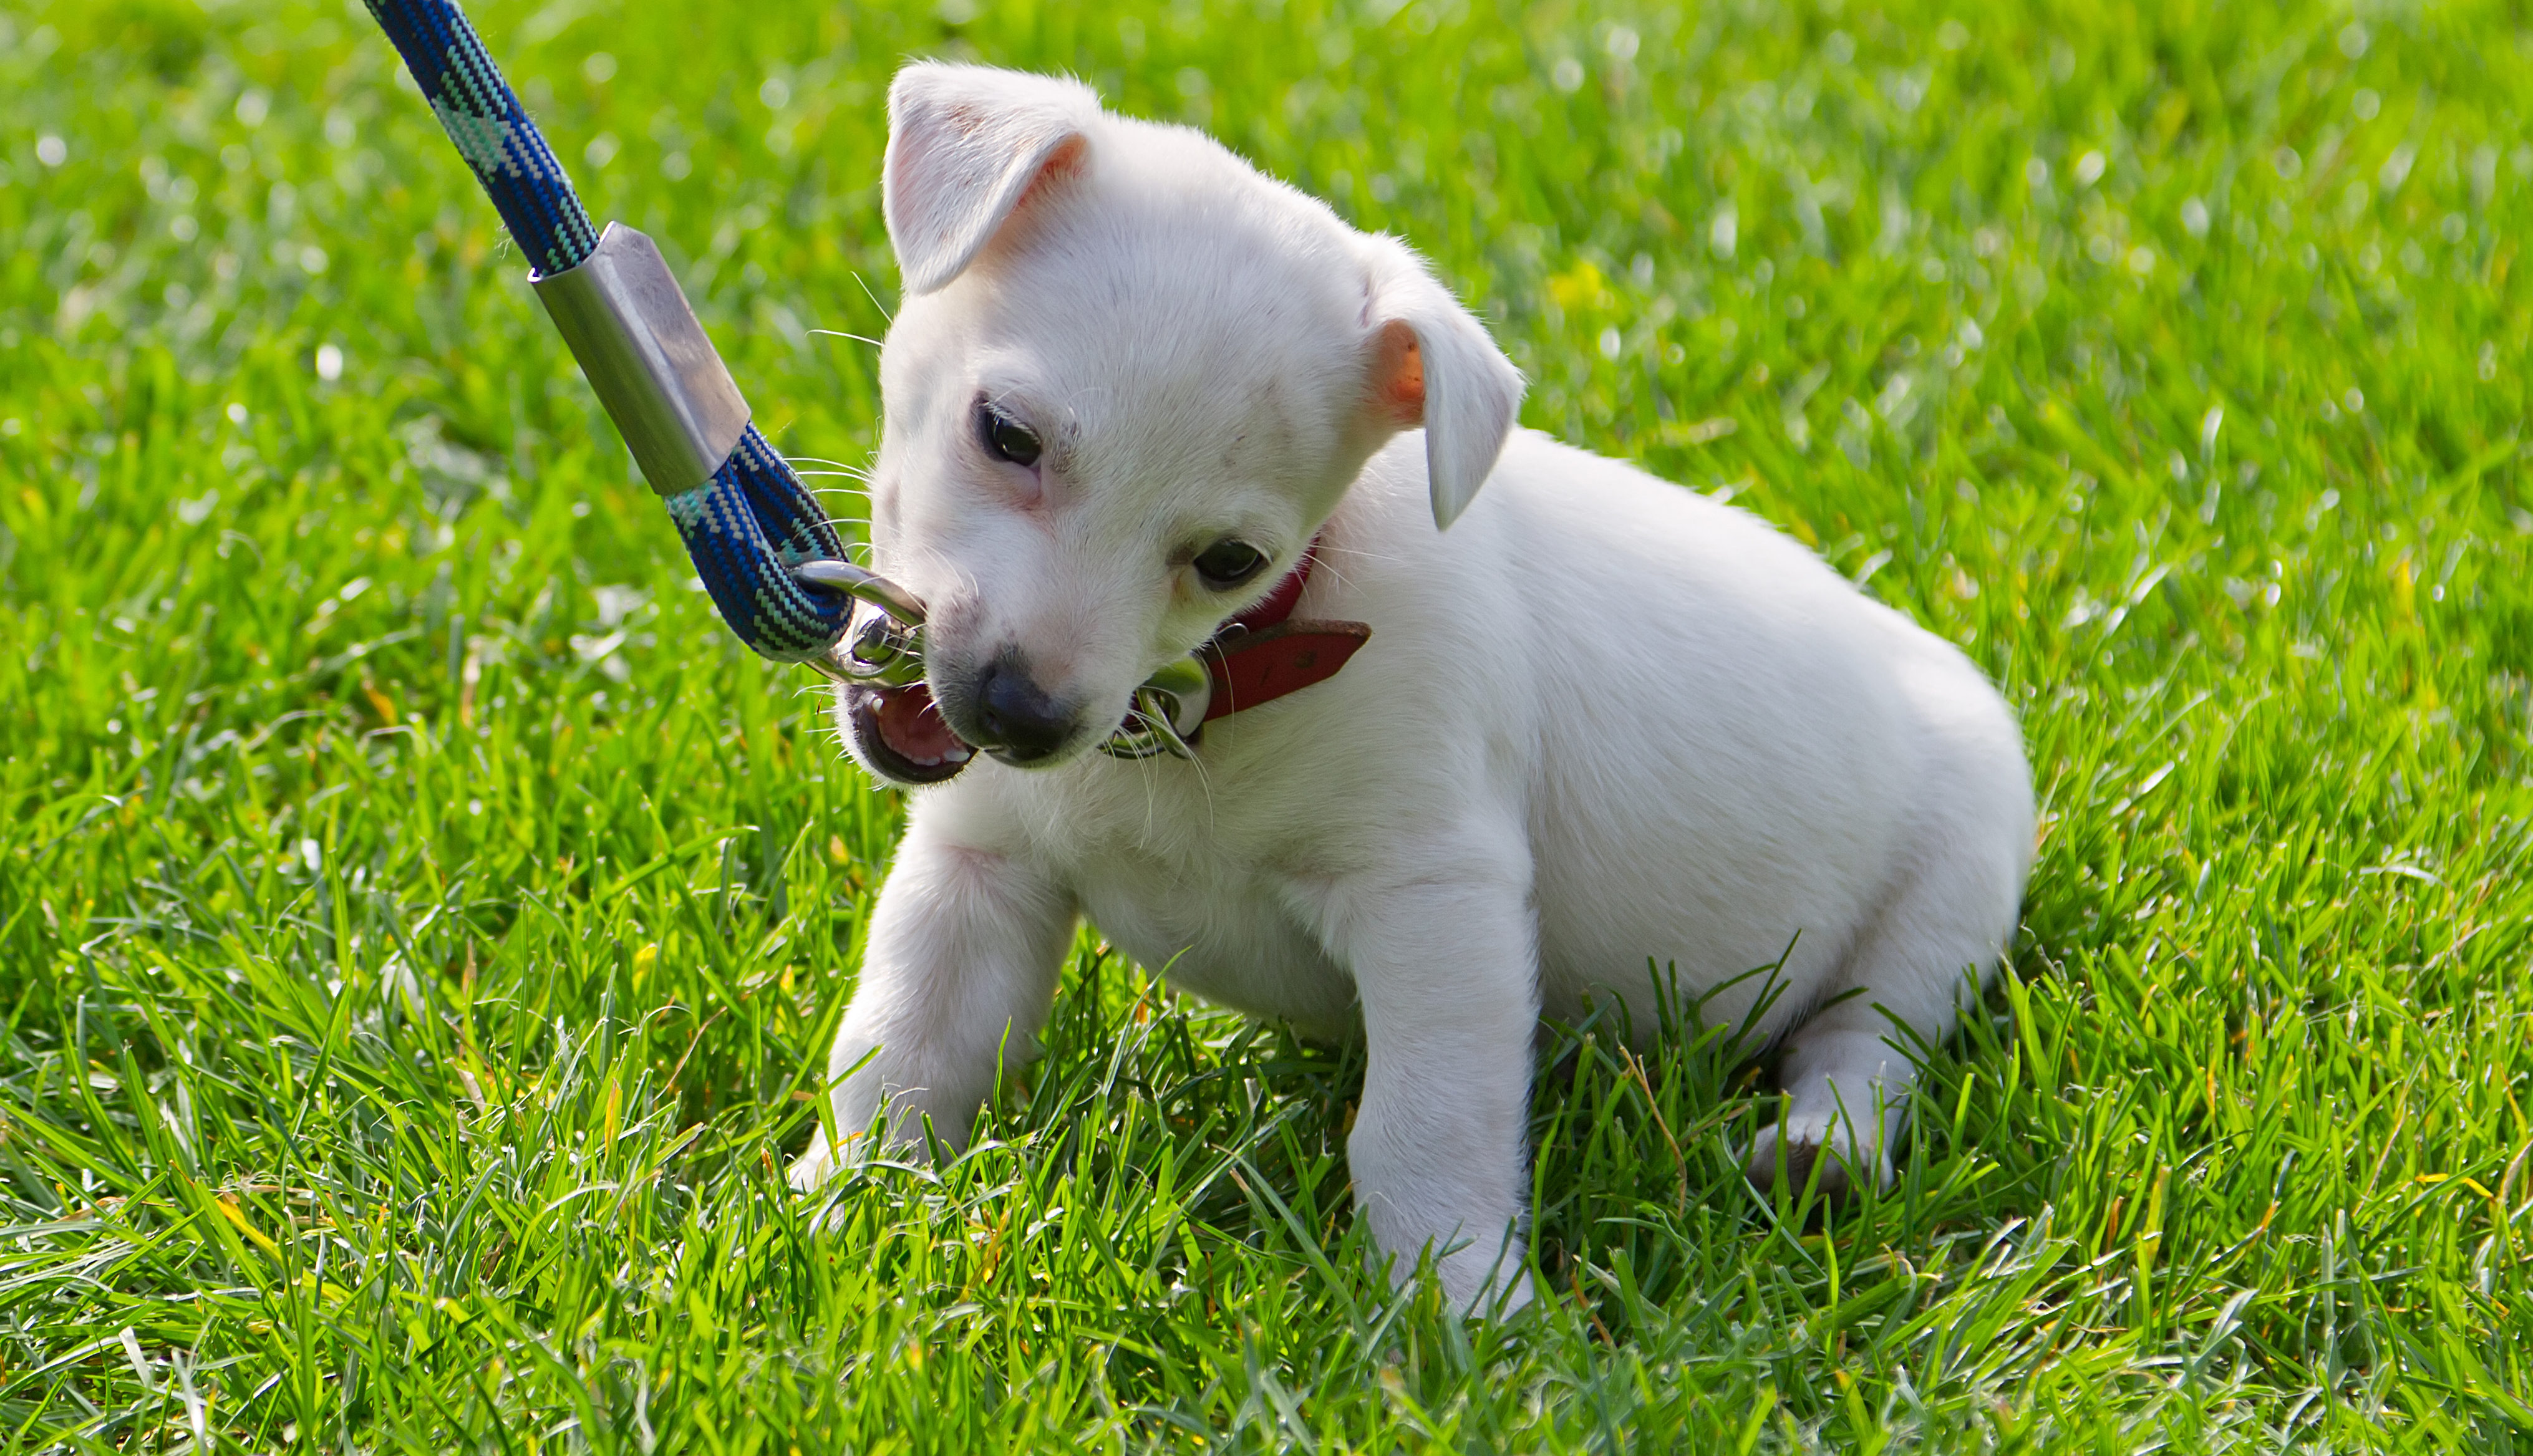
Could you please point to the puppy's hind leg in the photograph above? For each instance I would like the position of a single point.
(1917, 964)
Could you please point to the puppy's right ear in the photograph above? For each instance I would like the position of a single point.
(965, 144)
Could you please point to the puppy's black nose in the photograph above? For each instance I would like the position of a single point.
(1017, 717)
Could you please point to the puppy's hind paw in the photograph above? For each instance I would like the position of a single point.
(1803, 1146)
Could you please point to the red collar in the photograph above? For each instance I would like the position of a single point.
(1266, 653)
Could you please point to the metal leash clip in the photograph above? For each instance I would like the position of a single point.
(885, 646)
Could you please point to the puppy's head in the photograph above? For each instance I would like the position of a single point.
(1130, 379)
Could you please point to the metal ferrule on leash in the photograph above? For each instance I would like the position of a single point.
(653, 368)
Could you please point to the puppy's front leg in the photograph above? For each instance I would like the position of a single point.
(957, 972)
(1446, 970)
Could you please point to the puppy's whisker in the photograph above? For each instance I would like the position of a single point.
(1356, 554)
(875, 298)
(844, 525)
(1204, 787)
(838, 334)
(1334, 562)
(1148, 773)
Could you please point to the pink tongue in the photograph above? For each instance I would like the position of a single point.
(913, 726)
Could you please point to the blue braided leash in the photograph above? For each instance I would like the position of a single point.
(748, 526)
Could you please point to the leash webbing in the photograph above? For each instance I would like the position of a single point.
(748, 526)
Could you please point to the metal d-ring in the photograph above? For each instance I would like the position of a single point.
(1169, 708)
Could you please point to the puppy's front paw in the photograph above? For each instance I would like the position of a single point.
(822, 1162)
(1489, 1284)
(811, 1170)
(1482, 1290)
(1504, 1299)
(1805, 1140)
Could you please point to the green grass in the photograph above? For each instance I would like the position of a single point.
(417, 919)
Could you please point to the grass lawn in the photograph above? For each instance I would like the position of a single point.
(420, 921)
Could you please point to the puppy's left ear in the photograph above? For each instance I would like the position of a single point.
(967, 145)
(1434, 365)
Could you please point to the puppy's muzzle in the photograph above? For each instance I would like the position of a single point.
(903, 734)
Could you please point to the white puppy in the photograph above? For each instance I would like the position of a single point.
(1602, 724)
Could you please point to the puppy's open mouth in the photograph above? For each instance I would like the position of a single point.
(901, 734)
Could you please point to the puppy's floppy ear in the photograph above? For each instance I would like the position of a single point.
(1434, 365)
(965, 146)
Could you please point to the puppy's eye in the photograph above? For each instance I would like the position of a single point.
(1005, 437)
(1227, 564)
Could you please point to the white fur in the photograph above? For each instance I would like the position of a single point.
(1601, 723)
